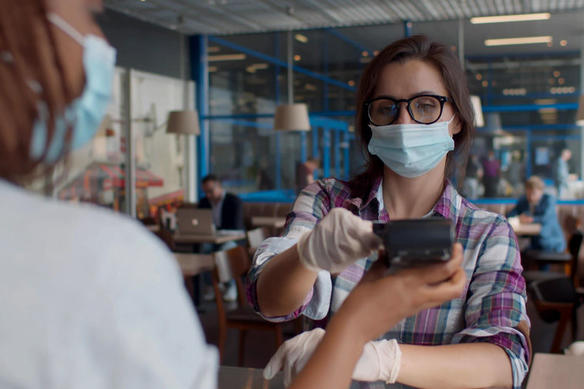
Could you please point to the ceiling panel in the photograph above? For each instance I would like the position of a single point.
(244, 16)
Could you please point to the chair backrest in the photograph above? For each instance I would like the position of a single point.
(574, 245)
(232, 264)
(255, 237)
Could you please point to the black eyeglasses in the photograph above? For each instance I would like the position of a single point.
(423, 109)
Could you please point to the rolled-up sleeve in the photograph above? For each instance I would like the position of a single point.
(496, 301)
(310, 206)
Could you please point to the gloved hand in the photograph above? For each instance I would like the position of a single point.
(379, 361)
(293, 355)
(337, 241)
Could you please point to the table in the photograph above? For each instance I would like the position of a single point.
(524, 229)
(268, 221)
(215, 238)
(193, 264)
(556, 371)
(231, 377)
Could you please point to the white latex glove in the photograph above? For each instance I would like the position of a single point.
(337, 241)
(293, 355)
(380, 361)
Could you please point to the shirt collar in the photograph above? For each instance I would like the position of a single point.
(449, 203)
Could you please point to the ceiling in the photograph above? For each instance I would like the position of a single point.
(221, 17)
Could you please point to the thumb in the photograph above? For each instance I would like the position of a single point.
(275, 363)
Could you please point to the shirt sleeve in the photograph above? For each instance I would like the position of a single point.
(311, 205)
(144, 327)
(495, 309)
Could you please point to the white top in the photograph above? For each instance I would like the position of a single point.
(90, 299)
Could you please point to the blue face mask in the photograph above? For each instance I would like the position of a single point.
(85, 113)
(411, 150)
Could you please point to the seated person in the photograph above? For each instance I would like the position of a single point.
(227, 215)
(227, 207)
(539, 207)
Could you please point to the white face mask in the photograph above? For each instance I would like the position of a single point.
(411, 150)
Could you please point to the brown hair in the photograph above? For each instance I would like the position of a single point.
(534, 182)
(32, 79)
(421, 48)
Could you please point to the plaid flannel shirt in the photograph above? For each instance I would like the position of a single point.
(493, 304)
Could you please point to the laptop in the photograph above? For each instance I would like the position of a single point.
(194, 221)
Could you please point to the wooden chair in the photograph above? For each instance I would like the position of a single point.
(555, 296)
(255, 237)
(234, 264)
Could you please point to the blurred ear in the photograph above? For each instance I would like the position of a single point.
(455, 125)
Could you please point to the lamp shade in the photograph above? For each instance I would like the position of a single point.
(478, 111)
(580, 114)
(183, 122)
(292, 117)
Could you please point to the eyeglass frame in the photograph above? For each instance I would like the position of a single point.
(441, 99)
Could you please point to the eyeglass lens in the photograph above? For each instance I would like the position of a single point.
(423, 109)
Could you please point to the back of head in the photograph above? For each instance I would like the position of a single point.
(34, 82)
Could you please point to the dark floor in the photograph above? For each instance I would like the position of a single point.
(260, 345)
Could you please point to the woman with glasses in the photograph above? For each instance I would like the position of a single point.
(90, 299)
(414, 119)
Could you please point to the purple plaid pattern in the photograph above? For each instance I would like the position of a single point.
(494, 301)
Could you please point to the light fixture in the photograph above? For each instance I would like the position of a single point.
(226, 57)
(478, 111)
(301, 38)
(529, 40)
(580, 113)
(291, 117)
(511, 18)
(183, 122)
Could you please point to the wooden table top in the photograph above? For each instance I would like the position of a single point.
(193, 264)
(556, 371)
(215, 238)
(526, 229)
(268, 221)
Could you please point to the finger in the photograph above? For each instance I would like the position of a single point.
(438, 273)
(371, 241)
(449, 290)
(376, 272)
(275, 363)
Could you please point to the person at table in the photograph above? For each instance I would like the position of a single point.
(227, 215)
(305, 173)
(562, 173)
(539, 207)
(227, 207)
(90, 299)
(491, 174)
(413, 115)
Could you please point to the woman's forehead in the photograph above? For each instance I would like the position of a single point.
(407, 79)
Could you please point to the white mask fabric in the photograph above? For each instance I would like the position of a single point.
(411, 150)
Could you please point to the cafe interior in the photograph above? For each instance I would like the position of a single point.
(248, 91)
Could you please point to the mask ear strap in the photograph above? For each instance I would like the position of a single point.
(65, 27)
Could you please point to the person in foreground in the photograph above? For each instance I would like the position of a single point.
(539, 207)
(413, 116)
(91, 299)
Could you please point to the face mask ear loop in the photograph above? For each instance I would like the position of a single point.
(66, 27)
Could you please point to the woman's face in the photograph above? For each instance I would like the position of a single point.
(412, 78)
(79, 14)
